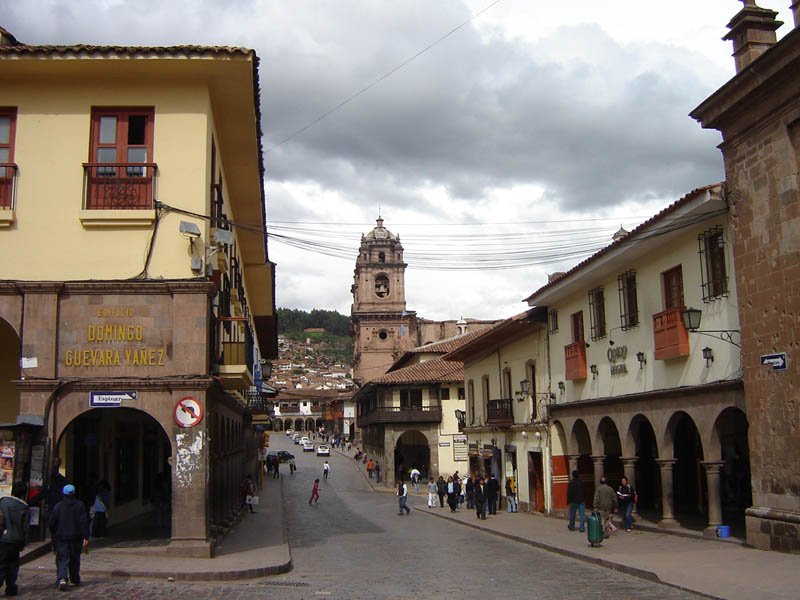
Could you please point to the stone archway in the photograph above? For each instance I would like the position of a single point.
(688, 489)
(299, 425)
(580, 446)
(277, 425)
(9, 371)
(309, 424)
(732, 467)
(608, 438)
(644, 448)
(412, 450)
(129, 449)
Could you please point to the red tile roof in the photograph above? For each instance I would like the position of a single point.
(450, 344)
(90, 51)
(430, 371)
(626, 239)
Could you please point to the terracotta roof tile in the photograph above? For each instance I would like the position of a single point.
(430, 371)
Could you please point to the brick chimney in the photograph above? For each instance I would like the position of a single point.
(796, 12)
(752, 31)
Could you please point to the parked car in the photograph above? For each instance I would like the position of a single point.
(323, 450)
(296, 438)
(304, 439)
(285, 456)
(290, 432)
(308, 446)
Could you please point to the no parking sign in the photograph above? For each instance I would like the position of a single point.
(188, 412)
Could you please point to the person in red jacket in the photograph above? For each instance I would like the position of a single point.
(315, 493)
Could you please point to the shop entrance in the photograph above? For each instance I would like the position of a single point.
(412, 450)
(129, 450)
(535, 481)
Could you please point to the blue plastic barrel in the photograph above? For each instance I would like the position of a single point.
(723, 531)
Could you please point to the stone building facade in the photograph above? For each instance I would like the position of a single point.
(758, 114)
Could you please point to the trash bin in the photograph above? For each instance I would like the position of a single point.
(723, 531)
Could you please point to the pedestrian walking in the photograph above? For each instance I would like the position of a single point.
(415, 475)
(469, 490)
(292, 466)
(402, 496)
(492, 491)
(315, 492)
(441, 489)
(69, 526)
(247, 488)
(451, 494)
(370, 468)
(326, 469)
(276, 465)
(626, 497)
(511, 495)
(99, 512)
(432, 491)
(480, 498)
(377, 472)
(576, 497)
(14, 527)
(605, 501)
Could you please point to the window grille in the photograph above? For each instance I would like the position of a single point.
(714, 275)
(597, 313)
(628, 303)
(552, 317)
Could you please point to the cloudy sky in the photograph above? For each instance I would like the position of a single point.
(535, 128)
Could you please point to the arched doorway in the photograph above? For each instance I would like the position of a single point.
(581, 444)
(9, 371)
(612, 448)
(278, 425)
(320, 423)
(130, 450)
(309, 424)
(648, 478)
(689, 482)
(735, 487)
(412, 450)
(298, 425)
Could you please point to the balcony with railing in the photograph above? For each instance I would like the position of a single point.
(119, 186)
(258, 402)
(670, 337)
(234, 347)
(400, 414)
(500, 412)
(8, 177)
(575, 360)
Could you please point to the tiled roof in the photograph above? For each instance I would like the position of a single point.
(450, 344)
(626, 239)
(7, 38)
(431, 371)
(498, 335)
(89, 51)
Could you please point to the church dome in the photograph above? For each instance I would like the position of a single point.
(380, 232)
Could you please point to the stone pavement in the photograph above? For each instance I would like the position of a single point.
(717, 568)
(255, 547)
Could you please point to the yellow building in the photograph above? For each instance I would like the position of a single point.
(137, 295)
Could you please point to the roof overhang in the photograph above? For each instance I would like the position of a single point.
(500, 335)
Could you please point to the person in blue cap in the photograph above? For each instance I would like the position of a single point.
(69, 525)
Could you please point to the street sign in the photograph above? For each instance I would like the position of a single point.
(776, 361)
(100, 399)
(188, 412)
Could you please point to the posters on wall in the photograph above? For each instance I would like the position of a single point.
(6, 467)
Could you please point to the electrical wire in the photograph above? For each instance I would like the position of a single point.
(379, 79)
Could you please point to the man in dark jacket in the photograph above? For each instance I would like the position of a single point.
(14, 535)
(576, 496)
(492, 491)
(69, 525)
(480, 498)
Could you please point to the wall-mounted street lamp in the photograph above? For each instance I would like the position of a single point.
(642, 359)
(525, 386)
(461, 417)
(691, 319)
(561, 386)
(708, 354)
(593, 369)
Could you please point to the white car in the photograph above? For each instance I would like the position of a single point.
(296, 438)
(308, 446)
(303, 440)
(323, 450)
(290, 432)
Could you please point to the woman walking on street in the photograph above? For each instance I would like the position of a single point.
(315, 493)
(626, 497)
(441, 489)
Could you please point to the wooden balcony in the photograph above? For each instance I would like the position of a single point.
(500, 412)
(397, 414)
(670, 337)
(8, 174)
(575, 360)
(119, 186)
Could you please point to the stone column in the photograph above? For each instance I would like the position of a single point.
(714, 504)
(599, 462)
(667, 517)
(573, 463)
(629, 465)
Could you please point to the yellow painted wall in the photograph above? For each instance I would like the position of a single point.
(48, 240)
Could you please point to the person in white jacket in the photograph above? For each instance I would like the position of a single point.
(402, 496)
(432, 493)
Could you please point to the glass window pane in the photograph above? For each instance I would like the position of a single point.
(3, 155)
(5, 129)
(108, 130)
(136, 129)
(107, 155)
(137, 155)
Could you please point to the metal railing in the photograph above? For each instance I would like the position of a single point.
(119, 186)
(8, 179)
(236, 342)
(500, 411)
(401, 414)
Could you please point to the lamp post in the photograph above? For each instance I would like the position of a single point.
(691, 319)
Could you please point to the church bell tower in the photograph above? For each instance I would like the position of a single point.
(381, 327)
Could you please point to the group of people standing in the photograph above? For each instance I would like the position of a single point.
(474, 491)
(606, 501)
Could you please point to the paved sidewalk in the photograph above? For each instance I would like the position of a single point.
(719, 569)
(255, 547)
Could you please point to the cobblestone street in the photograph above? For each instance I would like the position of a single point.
(353, 545)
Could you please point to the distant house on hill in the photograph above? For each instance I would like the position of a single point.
(314, 330)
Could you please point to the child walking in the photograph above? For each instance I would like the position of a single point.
(315, 492)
